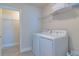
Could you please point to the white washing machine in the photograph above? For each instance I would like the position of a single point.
(50, 44)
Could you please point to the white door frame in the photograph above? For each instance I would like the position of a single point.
(11, 8)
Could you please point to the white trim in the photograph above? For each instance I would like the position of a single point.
(75, 53)
(26, 49)
(10, 45)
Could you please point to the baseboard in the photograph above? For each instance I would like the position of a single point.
(26, 50)
(75, 53)
(10, 45)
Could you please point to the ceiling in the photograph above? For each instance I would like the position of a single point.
(40, 5)
(19, 5)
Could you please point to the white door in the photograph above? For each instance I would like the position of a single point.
(0, 46)
(10, 29)
(0, 30)
(8, 33)
(0, 36)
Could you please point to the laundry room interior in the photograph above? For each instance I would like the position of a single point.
(39, 29)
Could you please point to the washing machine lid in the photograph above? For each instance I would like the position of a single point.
(54, 35)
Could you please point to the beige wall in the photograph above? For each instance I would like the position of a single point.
(17, 32)
(47, 9)
(69, 21)
(71, 25)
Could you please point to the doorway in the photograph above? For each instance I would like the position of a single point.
(10, 41)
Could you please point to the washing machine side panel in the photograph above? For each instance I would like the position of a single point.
(61, 46)
(36, 45)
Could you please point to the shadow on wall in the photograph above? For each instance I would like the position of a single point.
(68, 14)
(70, 21)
